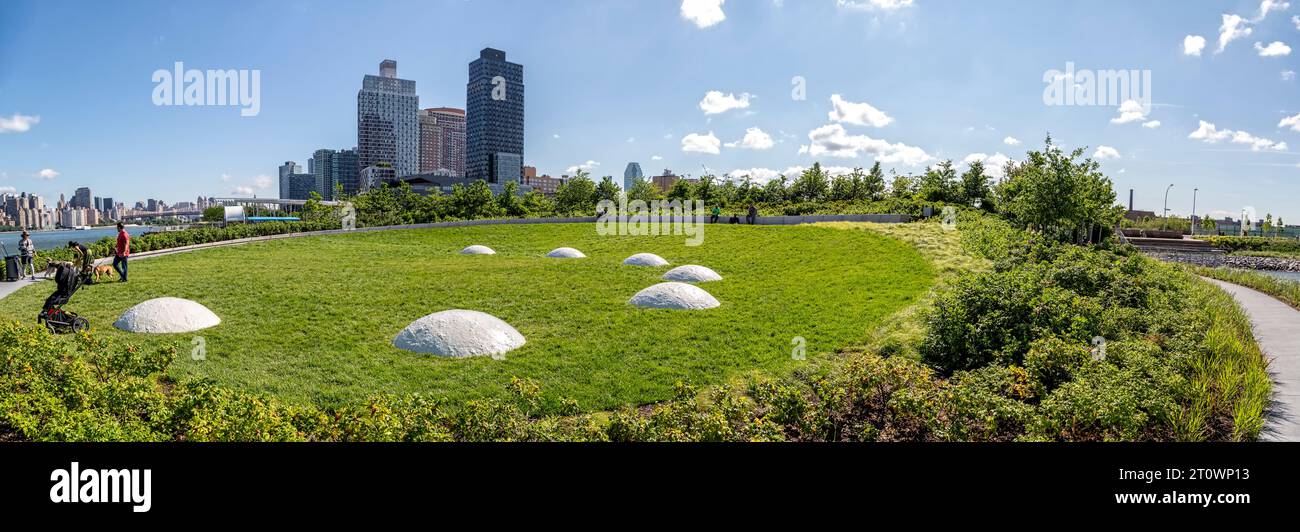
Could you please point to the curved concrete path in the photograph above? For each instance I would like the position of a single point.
(1277, 328)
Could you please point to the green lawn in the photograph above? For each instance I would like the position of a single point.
(312, 319)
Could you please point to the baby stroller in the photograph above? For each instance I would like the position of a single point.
(52, 315)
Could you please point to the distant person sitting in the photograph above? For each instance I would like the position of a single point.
(752, 217)
(121, 251)
(716, 215)
(735, 219)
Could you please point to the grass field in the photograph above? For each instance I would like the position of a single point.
(312, 319)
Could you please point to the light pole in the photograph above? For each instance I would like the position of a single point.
(1166, 222)
(1192, 218)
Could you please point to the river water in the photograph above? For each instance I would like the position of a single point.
(60, 238)
(1290, 276)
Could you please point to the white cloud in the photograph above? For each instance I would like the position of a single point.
(631, 140)
(1011, 141)
(1210, 134)
(225, 178)
(759, 175)
(1105, 152)
(1193, 44)
(862, 114)
(1292, 122)
(263, 181)
(1268, 6)
(1234, 27)
(47, 174)
(697, 143)
(587, 166)
(715, 102)
(18, 123)
(8, 190)
(1288, 75)
(241, 191)
(1296, 20)
(755, 139)
(872, 5)
(1274, 49)
(1130, 111)
(1151, 125)
(555, 135)
(703, 13)
(657, 158)
(831, 140)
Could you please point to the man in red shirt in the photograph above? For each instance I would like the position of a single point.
(121, 251)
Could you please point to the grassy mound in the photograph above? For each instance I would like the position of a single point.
(311, 320)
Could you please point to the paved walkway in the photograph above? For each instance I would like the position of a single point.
(1277, 328)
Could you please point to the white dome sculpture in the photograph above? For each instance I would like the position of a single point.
(459, 334)
(565, 253)
(692, 274)
(674, 296)
(645, 259)
(167, 315)
(478, 250)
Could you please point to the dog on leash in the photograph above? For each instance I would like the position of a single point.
(103, 271)
(53, 267)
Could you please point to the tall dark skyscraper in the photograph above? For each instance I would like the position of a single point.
(333, 168)
(388, 130)
(494, 130)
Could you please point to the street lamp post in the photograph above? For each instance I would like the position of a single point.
(1193, 216)
(1166, 222)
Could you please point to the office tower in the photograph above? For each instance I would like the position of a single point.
(286, 170)
(387, 126)
(494, 129)
(630, 175)
(333, 168)
(442, 141)
(82, 198)
(294, 184)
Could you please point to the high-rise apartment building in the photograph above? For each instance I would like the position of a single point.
(494, 129)
(82, 198)
(335, 168)
(442, 141)
(387, 127)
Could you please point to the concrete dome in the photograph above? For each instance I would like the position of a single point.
(565, 253)
(692, 274)
(674, 296)
(167, 315)
(478, 250)
(459, 334)
(645, 259)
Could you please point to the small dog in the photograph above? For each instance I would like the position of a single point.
(103, 271)
(53, 267)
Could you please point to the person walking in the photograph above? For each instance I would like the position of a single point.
(121, 252)
(26, 255)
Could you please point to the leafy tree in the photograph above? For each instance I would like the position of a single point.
(578, 195)
(474, 201)
(644, 190)
(706, 190)
(214, 214)
(776, 191)
(842, 188)
(873, 184)
(938, 183)
(903, 186)
(812, 185)
(974, 184)
(510, 201)
(681, 190)
(607, 189)
(1058, 195)
(537, 203)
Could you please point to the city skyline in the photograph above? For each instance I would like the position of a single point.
(909, 85)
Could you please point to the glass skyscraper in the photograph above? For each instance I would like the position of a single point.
(388, 130)
(333, 168)
(630, 175)
(494, 130)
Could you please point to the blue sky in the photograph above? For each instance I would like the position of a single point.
(613, 81)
